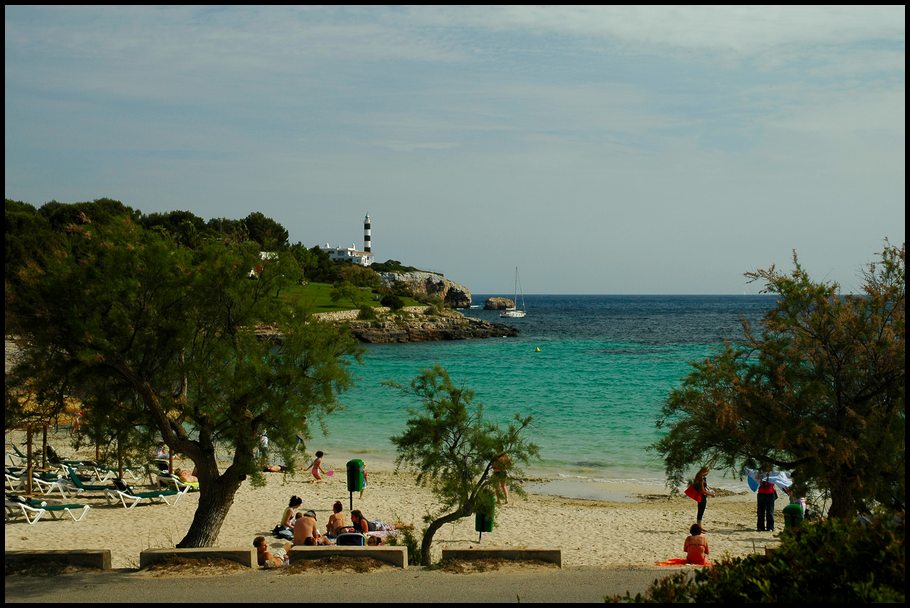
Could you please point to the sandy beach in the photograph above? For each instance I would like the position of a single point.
(607, 536)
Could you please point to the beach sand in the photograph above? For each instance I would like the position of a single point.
(608, 536)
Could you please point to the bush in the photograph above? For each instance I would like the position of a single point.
(366, 313)
(412, 542)
(392, 301)
(830, 561)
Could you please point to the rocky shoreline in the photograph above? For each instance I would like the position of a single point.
(412, 324)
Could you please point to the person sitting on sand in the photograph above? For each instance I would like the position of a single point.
(266, 558)
(316, 468)
(305, 527)
(696, 546)
(336, 519)
(287, 518)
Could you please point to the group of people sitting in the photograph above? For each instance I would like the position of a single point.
(301, 528)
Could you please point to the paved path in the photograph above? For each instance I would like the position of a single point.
(386, 585)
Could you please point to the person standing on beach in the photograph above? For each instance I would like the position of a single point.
(364, 480)
(701, 484)
(500, 469)
(766, 496)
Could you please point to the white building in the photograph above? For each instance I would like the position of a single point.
(352, 254)
(348, 254)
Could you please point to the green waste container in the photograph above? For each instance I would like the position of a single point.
(483, 522)
(793, 515)
(355, 475)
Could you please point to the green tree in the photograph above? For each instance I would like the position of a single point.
(819, 391)
(348, 292)
(270, 235)
(174, 331)
(451, 449)
(184, 226)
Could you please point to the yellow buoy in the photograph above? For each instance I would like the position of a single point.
(537, 350)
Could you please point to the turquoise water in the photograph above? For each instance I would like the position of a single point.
(595, 388)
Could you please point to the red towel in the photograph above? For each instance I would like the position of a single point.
(680, 561)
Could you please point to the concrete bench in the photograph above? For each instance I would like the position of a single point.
(246, 557)
(553, 556)
(82, 558)
(397, 556)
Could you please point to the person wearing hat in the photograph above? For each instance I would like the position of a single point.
(305, 527)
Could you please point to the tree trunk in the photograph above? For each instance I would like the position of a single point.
(431, 530)
(842, 504)
(215, 500)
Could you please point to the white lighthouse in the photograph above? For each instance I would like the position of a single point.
(351, 254)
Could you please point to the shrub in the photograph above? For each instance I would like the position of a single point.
(830, 561)
(392, 301)
(366, 313)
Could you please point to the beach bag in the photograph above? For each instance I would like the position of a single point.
(692, 493)
(283, 533)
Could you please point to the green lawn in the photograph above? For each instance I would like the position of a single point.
(317, 297)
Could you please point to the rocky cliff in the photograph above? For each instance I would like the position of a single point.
(451, 293)
(498, 303)
(412, 324)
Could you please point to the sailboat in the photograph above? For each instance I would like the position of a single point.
(515, 312)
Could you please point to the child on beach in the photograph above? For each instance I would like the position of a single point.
(316, 468)
(696, 546)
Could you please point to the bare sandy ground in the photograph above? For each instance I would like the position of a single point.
(607, 546)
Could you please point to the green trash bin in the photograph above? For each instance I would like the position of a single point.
(483, 522)
(793, 516)
(355, 475)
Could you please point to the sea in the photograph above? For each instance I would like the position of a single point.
(593, 371)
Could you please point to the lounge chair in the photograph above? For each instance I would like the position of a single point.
(48, 486)
(103, 473)
(33, 510)
(179, 484)
(13, 479)
(75, 483)
(125, 493)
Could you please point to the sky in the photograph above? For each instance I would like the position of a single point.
(602, 150)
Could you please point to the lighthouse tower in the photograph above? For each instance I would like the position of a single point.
(367, 245)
